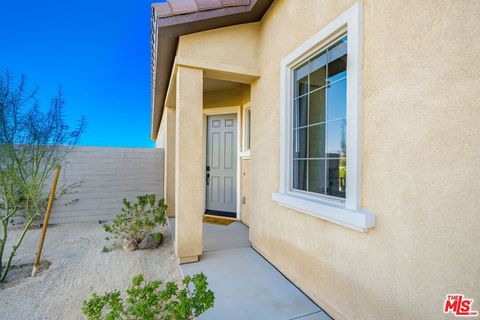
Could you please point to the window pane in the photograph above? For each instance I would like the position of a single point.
(316, 176)
(300, 174)
(319, 122)
(316, 141)
(317, 106)
(336, 143)
(337, 173)
(300, 112)
(337, 61)
(300, 143)
(301, 80)
(248, 118)
(318, 71)
(337, 100)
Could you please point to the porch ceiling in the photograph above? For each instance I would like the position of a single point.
(237, 76)
(210, 85)
(174, 18)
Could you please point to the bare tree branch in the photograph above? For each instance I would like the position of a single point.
(32, 143)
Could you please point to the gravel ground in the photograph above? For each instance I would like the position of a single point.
(78, 268)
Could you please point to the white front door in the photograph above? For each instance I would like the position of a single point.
(221, 168)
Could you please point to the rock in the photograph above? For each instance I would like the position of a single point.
(129, 244)
(151, 241)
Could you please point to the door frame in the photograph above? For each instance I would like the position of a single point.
(219, 111)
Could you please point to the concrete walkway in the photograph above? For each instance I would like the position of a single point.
(246, 286)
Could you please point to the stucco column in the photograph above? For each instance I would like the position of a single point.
(170, 160)
(189, 173)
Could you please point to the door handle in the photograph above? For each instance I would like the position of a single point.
(208, 179)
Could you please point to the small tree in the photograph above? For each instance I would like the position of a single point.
(32, 143)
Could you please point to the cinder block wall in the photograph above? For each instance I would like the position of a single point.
(103, 176)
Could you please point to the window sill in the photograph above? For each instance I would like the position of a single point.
(354, 219)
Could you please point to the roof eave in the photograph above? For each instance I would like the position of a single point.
(165, 40)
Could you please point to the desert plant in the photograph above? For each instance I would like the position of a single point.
(32, 143)
(151, 300)
(137, 220)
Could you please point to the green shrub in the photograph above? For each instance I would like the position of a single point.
(139, 219)
(152, 301)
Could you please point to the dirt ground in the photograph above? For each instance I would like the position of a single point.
(78, 268)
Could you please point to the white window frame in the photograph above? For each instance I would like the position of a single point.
(348, 212)
(246, 152)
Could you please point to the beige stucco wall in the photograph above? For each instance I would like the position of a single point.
(166, 140)
(160, 141)
(421, 168)
(246, 191)
(236, 45)
(189, 175)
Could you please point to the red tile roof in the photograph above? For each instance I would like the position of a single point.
(178, 7)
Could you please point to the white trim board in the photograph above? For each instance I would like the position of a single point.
(347, 213)
(218, 111)
(245, 154)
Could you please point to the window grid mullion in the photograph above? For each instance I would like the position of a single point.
(325, 178)
(320, 158)
(308, 129)
(317, 89)
(318, 123)
(295, 132)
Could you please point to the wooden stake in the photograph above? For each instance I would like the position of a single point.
(45, 221)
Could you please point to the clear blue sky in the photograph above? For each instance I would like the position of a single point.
(97, 50)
